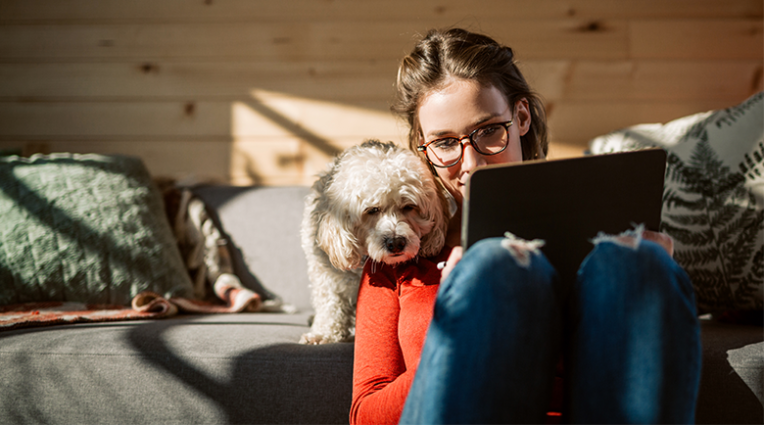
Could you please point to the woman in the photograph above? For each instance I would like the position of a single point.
(499, 317)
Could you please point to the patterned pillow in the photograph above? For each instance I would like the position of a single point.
(86, 228)
(713, 198)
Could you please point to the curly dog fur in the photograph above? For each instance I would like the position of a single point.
(376, 201)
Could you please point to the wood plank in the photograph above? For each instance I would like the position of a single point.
(58, 11)
(347, 80)
(325, 129)
(547, 77)
(564, 38)
(578, 122)
(663, 80)
(122, 120)
(266, 161)
(664, 9)
(354, 82)
(276, 161)
(326, 118)
(532, 39)
(266, 115)
(697, 39)
(191, 160)
(279, 161)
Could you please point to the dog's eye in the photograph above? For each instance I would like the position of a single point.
(372, 211)
(408, 208)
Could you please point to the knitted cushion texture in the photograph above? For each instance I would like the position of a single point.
(86, 228)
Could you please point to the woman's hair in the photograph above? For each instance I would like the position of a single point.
(462, 54)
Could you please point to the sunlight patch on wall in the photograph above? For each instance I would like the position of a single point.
(281, 139)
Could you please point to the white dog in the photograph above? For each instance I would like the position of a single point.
(376, 200)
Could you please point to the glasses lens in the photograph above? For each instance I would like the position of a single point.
(490, 139)
(444, 152)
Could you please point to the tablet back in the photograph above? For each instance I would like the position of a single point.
(565, 202)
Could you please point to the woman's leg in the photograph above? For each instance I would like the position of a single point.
(493, 342)
(635, 350)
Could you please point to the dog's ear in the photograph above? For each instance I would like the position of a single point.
(337, 240)
(433, 208)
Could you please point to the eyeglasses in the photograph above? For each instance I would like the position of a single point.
(488, 140)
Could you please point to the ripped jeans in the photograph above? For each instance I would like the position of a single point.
(627, 330)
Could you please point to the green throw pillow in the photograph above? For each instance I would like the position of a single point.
(86, 228)
(713, 202)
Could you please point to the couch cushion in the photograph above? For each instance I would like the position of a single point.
(263, 227)
(713, 198)
(248, 368)
(244, 368)
(748, 362)
(86, 228)
(733, 374)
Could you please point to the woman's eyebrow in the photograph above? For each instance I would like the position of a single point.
(439, 133)
(483, 120)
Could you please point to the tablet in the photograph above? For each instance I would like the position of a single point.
(565, 202)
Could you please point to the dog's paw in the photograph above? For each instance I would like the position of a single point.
(312, 338)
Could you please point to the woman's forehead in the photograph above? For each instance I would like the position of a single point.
(460, 105)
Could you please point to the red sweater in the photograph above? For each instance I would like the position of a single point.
(395, 306)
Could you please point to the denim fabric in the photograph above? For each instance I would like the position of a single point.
(627, 330)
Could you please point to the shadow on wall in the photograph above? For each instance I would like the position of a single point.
(322, 144)
(255, 155)
(286, 139)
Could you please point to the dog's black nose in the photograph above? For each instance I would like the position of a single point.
(396, 244)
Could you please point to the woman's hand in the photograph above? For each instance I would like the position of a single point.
(453, 258)
(661, 239)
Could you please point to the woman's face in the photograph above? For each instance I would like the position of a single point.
(459, 108)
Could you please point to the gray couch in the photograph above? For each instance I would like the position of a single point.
(248, 368)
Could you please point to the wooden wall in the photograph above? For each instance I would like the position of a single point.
(262, 91)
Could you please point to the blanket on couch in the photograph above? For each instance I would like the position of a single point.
(146, 305)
